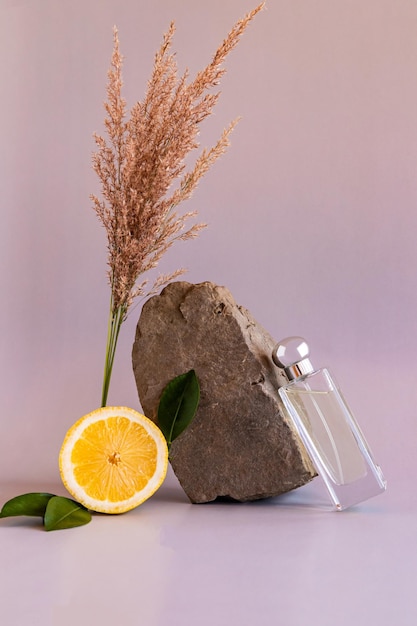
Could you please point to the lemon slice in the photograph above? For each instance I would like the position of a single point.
(113, 459)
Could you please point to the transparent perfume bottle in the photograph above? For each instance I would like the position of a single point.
(329, 431)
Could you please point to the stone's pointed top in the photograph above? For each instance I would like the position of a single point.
(239, 444)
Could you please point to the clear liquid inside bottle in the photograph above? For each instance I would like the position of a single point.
(330, 434)
(333, 439)
(327, 428)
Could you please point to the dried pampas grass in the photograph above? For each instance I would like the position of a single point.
(142, 170)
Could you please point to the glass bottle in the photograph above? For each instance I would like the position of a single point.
(327, 427)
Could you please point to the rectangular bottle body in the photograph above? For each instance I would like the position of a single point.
(333, 439)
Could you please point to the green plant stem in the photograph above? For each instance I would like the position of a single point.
(116, 318)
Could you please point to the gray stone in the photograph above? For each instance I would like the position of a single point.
(240, 444)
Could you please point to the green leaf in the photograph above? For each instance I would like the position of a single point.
(178, 405)
(65, 513)
(26, 504)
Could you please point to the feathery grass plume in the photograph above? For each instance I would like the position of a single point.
(141, 167)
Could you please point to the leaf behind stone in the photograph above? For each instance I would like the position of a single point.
(178, 405)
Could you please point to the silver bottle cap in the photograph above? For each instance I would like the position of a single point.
(292, 354)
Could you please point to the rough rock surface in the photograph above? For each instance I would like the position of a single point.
(239, 444)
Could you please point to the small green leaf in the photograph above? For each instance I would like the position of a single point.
(178, 405)
(65, 513)
(26, 504)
